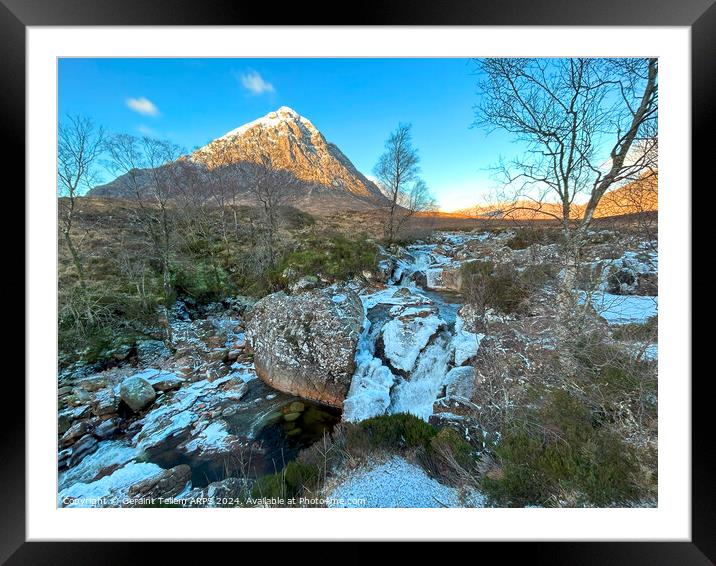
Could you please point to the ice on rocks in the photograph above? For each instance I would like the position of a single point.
(465, 344)
(417, 394)
(110, 490)
(405, 336)
(109, 455)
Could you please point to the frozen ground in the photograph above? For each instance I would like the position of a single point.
(395, 483)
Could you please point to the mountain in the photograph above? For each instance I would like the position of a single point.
(326, 180)
(632, 198)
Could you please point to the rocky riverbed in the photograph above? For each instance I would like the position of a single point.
(241, 388)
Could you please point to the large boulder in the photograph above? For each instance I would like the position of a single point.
(305, 344)
(136, 392)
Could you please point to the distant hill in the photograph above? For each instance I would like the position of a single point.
(635, 197)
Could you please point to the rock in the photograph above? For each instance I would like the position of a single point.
(460, 382)
(152, 352)
(183, 420)
(105, 402)
(403, 293)
(84, 446)
(168, 484)
(77, 430)
(162, 380)
(305, 344)
(464, 343)
(304, 284)
(93, 383)
(217, 494)
(296, 407)
(447, 278)
(405, 335)
(218, 354)
(108, 490)
(107, 429)
(66, 417)
(385, 270)
(136, 392)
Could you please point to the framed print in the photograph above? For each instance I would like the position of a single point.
(403, 280)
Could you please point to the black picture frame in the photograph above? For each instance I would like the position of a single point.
(699, 15)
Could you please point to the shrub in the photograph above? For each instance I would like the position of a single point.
(335, 257)
(559, 449)
(202, 280)
(501, 287)
(637, 331)
(398, 431)
(450, 457)
(528, 236)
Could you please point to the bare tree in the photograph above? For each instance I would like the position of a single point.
(151, 173)
(79, 147)
(586, 124)
(272, 189)
(224, 182)
(398, 171)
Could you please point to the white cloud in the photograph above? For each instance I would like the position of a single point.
(143, 106)
(255, 83)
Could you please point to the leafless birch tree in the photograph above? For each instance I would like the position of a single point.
(398, 171)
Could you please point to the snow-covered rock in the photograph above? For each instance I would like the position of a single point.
(407, 334)
(108, 491)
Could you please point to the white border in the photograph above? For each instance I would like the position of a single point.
(671, 520)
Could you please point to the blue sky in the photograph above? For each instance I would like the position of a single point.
(355, 103)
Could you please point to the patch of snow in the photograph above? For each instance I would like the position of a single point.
(623, 309)
(395, 483)
(214, 436)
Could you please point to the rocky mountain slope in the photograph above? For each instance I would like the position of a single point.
(325, 180)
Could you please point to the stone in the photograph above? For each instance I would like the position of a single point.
(105, 402)
(305, 344)
(77, 430)
(217, 494)
(136, 392)
(460, 382)
(151, 352)
(168, 484)
(107, 429)
(447, 278)
(84, 446)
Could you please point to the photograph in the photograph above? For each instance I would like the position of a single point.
(357, 282)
